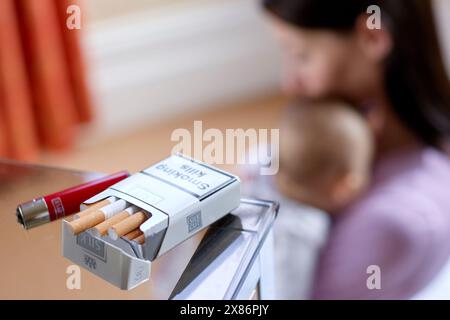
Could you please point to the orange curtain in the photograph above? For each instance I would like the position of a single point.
(43, 92)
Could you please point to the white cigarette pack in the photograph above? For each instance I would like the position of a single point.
(182, 196)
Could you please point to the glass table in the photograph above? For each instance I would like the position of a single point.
(231, 259)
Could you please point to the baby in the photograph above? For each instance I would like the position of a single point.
(326, 151)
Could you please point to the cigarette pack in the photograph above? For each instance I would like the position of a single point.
(180, 195)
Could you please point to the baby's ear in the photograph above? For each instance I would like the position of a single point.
(346, 188)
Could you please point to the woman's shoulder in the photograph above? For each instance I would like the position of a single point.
(395, 215)
(409, 189)
(418, 167)
(409, 195)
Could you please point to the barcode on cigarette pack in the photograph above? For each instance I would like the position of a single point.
(194, 221)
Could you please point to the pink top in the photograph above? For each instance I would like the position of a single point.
(402, 225)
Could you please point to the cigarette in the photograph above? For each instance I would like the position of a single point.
(133, 234)
(97, 216)
(127, 225)
(94, 206)
(102, 228)
(140, 239)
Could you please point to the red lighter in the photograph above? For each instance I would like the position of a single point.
(63, 203)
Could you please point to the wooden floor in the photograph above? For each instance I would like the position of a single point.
(145, 146)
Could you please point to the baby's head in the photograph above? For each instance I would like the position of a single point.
(326, 151)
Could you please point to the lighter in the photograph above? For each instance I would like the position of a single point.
(63, 203)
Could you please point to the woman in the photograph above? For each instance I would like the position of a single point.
(396, 238)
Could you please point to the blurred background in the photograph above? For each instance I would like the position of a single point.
(108, 96)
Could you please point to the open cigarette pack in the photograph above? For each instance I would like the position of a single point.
(125, 227)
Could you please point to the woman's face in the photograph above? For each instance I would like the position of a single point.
(320, 63)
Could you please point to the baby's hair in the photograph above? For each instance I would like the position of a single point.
(321, 139)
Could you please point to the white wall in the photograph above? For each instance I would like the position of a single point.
(157, 64)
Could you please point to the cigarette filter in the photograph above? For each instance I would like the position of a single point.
(102, 228)
(97, 216)
(94, 206)
(133, 234)
(140, 239)
(129, 224)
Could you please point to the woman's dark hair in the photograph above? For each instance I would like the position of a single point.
(415, 78)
